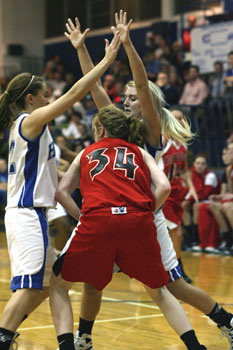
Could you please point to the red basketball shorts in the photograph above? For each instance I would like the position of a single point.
(101, 239)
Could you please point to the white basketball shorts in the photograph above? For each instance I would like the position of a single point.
(31, 253)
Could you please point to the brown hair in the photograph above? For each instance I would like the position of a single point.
(14, 96)
(117, 125)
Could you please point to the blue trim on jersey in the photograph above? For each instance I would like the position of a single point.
(30, 169)
(25, 138)
(30, 174)
(153, 150)
(175, 274)
(34, 281)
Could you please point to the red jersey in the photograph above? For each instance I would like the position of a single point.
(114, 175)
(172, 162)
(205, 184)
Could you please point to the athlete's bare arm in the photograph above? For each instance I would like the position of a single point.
(33, 124)
(158, 178)
(77, 39)
(68, 183)
(150, 116)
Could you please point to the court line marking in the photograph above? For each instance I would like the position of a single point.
(72, 292)
(97, 321)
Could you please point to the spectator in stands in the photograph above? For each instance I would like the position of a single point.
(216, 83)
(195, 90)
(228, 93)
(176, 81)
(109, 85)
(119, 100)
(90, 109)
(176, 56)
(163, 49)
(205, 183)
(69, 82)
(208, 227)
(152, 64)
(84, 140)
(170, 92)
(58, 83)
(71, 131)
(51, 66)
(222, 207)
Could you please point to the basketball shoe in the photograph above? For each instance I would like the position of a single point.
(14, 343)
(228, 332)
(84, 342)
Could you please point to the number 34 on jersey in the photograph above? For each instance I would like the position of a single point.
(123, 160)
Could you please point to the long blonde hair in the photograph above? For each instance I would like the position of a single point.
(170, 126)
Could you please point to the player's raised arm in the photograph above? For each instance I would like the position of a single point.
(77, 39)
(34, 123)
(149, 112)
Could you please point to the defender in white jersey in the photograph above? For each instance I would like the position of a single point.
(32, 183)
(138, 102)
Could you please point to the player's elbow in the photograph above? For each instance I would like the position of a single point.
(59, 194)
(165, 187)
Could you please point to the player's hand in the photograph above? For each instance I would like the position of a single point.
(215, 197)
(122, 26)
(112, 48)
(74, 33)
(193, 193)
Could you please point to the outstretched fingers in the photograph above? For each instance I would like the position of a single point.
(72, 26)
(129, 24)
(77, 23)
(116, 39)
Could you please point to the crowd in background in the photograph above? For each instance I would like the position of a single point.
(182, 86)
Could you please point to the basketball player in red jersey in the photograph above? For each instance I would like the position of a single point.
(115, 182)
(174, 163)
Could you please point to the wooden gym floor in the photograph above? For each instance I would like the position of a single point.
(128, 319)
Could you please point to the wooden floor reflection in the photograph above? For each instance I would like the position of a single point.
(128, 320)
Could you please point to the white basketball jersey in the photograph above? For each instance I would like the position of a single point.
(32, 179)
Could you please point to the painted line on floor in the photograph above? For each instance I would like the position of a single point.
(97, 321)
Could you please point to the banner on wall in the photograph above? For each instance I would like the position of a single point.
(211, 43)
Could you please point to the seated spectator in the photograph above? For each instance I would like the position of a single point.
(195, 90)
(170, 93)
(120, 98)
(175, 56)
(71, 131)
(90, 110)
(69, 82)
(176, 81)
(216, 83)
(84, 140)
(222, 207)
(228, 93)
(109, 85)
(208, 227)
(152, 65)
(205, 183)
